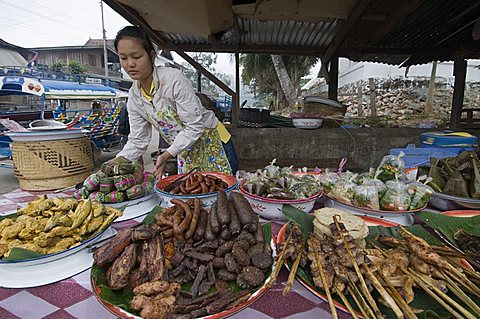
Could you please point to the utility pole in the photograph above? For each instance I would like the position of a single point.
(105, 56)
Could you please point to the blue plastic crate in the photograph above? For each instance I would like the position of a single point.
(449, 139)
(421, 156)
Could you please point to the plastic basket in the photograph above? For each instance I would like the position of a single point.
(421, 156)
(47, 165)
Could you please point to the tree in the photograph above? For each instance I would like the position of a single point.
(207, 60)
(260, 73)
(58, 66)
(76, 68)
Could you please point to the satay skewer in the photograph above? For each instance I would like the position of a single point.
(436, 294)
(315, 248)
(366, 311)
(363, 285)
(407, 310)
(346, 303)
(293, 271)
(452, 286)
(279, 264)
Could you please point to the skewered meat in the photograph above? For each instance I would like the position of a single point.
(119, 272)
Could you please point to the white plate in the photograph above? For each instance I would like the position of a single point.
(405, 219)
(47, 128)
(37, 136)
(137, 207)
(51, 257)
(39, 275)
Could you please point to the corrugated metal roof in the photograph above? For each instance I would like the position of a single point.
(394, 31)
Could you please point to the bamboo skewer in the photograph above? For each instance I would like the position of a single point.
(439, 293)
(363, 285)
(461, 295)
(385, 295)
(346, 303)
(293, 271)
(279, 264)
(465, 282)
(365, 309)
(333, 310)
(407, 310)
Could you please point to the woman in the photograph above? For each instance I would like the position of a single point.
(163, 98)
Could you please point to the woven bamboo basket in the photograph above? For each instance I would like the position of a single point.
(48, 165)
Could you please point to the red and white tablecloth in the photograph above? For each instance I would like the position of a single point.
(73, 297)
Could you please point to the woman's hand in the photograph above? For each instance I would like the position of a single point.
(160, 164)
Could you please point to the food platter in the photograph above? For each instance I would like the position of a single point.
(48, 272)
(403, 218)
(122, 313)
(447, 202)
(461, 213)
(47, 135)
(136, 207)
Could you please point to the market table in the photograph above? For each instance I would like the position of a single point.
(73, 297)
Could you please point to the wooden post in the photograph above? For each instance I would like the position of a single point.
(199, 81)
(236, 96)
(333, 75)
(460, 72)
(359, 99)
(431, 89)
(373, 96)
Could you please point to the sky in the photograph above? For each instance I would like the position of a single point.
(45, 23)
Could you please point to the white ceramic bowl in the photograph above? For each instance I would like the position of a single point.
(307, 123)
(271, 208)
(207, 198)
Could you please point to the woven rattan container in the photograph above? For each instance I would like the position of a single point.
(48, 165)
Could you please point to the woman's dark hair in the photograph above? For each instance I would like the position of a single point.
(137, 33)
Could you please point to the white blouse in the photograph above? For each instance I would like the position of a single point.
(176, 90)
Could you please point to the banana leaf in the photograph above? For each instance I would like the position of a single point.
(475, 181)
(456, 185)
(437, 175)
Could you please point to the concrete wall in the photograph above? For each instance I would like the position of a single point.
(324, 147)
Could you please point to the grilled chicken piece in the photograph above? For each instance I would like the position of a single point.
(108, 252)
(119, 272)
(155, 256)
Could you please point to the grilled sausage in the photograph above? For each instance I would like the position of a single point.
(214, 219)
(202, 225)
(234, 226)
(244, 211)
(194, 221)
(222, 208)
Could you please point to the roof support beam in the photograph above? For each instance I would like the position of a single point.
(333, 77)
(133, 17)
(344, 29)
(460, 72)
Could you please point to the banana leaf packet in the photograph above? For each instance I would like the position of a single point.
(396, 198)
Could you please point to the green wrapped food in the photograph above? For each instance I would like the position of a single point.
(92, 182)
(420, 195)
(84, 192)
(98, 196)
(77, 194)
(391, 167)
(475, 180)
(106, 184)
(396, 198)
(148, 181)
(115, 197)
(456, 185)
(123, 182)
(138, 171)
(366, 196)
(136, 191)
(117, 166)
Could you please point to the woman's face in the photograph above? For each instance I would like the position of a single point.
(134, 59)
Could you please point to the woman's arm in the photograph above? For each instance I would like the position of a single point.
(140, 132)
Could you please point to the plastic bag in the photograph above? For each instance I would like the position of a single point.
(420, 194)
(328, 180)
(396, 197)
(366, 196)
(344, 190)
(378, 184)
(391, 167)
